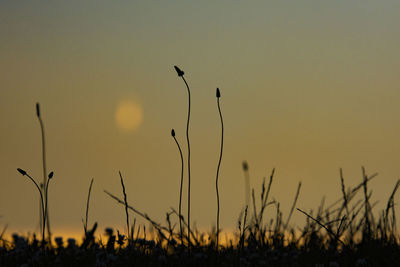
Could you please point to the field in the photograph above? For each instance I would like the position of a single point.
(345, 233)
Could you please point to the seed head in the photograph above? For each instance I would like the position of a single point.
(179, 71)
(37, 110)
(218, 93)
(21, 171)
(51, 175)
(173, 133)
(245, 166)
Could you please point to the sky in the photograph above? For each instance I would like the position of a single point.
(307, 87)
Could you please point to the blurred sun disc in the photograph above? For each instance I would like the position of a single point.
(128, 116)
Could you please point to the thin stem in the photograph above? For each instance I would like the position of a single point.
(264, 204)
(343, 188)
(188, 142)
(125, 202)
(87, 206)
(3, 232)
(141, 214)
(42, 204)
(44, 164)
(294, 204)
(247, 182)
(180, 190)
(219, 163)
(45, 216)
(366, 204)
(322, 225)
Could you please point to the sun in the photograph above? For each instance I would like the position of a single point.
(128, 116)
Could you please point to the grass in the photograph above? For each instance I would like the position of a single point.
(45, 180)
(347, 232)
(332, 235)
(85, 223)
(218, 94)
(181, 185)
(43, 202)
(180, 74)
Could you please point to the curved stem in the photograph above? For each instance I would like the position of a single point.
(45, 179)
(46, 214)
(87, 206)
(180, 191)
(42, 205)
(219, 165)
(188, 142)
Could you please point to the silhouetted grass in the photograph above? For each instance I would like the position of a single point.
(45, 180)
(43, 203)
(126, 205)
(180, 74)
(324, 239)
(181, 185)
(87, 207)
(218, 94)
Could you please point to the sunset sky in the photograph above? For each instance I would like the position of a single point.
(307, 87)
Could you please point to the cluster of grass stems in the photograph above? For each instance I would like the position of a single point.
(345, 233)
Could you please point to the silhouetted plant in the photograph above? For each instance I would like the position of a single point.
(245, 167)
(218, 94)
(87, 207)
(45, 183)
(42, 202)
(125, 204)
(293, 206)
(180, 74)
(181, 186)
(326, 239)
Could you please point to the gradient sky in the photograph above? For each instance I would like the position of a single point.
(307, 87)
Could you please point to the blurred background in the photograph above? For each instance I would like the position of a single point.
(307, 87)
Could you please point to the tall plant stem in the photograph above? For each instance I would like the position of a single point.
(188, 142)
(219, 163)
(181, 186)
(45, 183)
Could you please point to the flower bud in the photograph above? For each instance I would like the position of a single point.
(218, 93)
(245, 166)
(37, 110)
(179, 71)
(173, 133)
(51, 175)
(21, 171)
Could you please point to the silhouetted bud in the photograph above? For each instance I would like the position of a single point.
(173, 132)
(37, 110)
(51, 175)
(179, 71)
(245, 166)
(21, 171)
(109, 231)
(218, 93)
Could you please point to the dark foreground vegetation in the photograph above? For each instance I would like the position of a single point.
(345, 233)
(348, 232)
